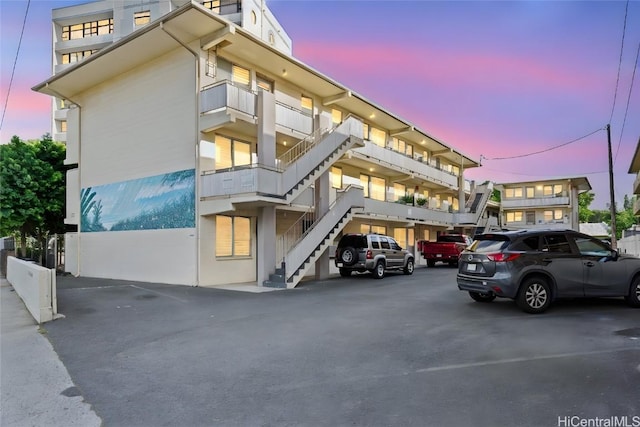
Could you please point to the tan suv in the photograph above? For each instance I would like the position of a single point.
(371, 252)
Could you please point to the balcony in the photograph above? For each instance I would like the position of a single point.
(225, 98)
(402, 212)
(400, 162)
(636, 207)
(538, 202)
(636, 185)
(250, 179)
(293, 120)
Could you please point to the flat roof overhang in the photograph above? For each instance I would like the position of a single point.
(194, 22)
(635, 160)
(580, 182)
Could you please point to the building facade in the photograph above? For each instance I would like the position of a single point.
(630, 242)
(550, 203)
(203, 153)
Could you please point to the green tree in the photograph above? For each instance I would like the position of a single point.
(584, 201)
(32, 194)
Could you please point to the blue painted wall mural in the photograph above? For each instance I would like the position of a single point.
(151, 203)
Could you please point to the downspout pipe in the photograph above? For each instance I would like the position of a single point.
(196, 56)
(66, 98)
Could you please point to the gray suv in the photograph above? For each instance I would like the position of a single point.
(371, 252)
(534, 267)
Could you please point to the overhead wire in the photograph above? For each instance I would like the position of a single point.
(542, 151)
(13, 71)
(624, 30)
(624, 120)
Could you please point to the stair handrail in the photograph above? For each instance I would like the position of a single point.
(306, 144)
(302, 147)
(294, 233)
(291, 231)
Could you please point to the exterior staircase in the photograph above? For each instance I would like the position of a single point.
(304, 251)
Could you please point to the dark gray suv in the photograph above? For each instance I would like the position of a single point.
(371, 252)
(534, 267)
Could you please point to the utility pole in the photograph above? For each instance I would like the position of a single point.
(614, 243)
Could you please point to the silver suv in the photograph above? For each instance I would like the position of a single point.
(535, 267)
(371, 252)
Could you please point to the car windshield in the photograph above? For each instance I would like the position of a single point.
(357, 241)
(489, 243)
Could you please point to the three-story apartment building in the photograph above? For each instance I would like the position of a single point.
(550, 203)
(202, 153)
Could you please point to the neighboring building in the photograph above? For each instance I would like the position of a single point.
(634, 168)
(550, 203)
(599, 230)
(201, 153)
(630, 242)
(83, 30)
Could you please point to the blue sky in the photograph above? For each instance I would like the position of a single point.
(492, 79)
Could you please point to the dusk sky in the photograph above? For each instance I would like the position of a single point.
(491, 79)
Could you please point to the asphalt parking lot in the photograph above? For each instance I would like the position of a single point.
(401, 351)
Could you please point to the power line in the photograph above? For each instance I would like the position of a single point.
(541, 151)
(624, 30)
(541, 175)
(6, 102)
(633, 76)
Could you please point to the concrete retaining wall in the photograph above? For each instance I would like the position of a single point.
(36, 286)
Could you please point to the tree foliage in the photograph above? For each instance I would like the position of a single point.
(624, 218)
(32, 194)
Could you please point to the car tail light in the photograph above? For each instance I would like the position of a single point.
(369, 254)
(502, 257)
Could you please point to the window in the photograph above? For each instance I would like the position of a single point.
(223, 7)
(306, 103)
(272, 38)
(557, 243)
(552, 215)
(552, 190)
(378, 137)
(336, 116)
(591, 247)
(335, 176)
(230, 153)
(210, 68)
(515, 216)
(142, 18)
(399, 190)
(400, 235)
(425, 235)
(511, 193)
(373, 187)
(365, 131)
(398, 145)
(264, 83)
(376, 229)
(254, 17)
(384, 243)
(73, 57)
(63, 126)
(531, 192)
(233, 236)
(87, 29)
(240, 76)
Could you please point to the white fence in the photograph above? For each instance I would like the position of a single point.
(36, 286)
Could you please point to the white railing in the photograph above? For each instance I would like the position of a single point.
(293, 119)
(302, 147)
(226, 95)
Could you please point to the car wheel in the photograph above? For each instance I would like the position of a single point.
(431, 263)
(633, 299)
(408, 269)
(477, 296)
(534, 296)
(344, 272)
(349, 256)
(378, 271)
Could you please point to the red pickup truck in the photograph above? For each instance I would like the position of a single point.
(446, 249)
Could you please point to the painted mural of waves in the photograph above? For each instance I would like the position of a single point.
(151, 203)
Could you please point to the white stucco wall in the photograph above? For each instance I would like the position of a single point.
(138, 125)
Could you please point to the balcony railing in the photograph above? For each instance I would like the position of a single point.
(226, 95)
(636, 185)
(537, 202)
(406, 212)
(408, 165)
(293, 119)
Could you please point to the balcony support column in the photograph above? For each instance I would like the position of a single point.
(461, 201)
(322, 194)
(266, 243)
(266, 128)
